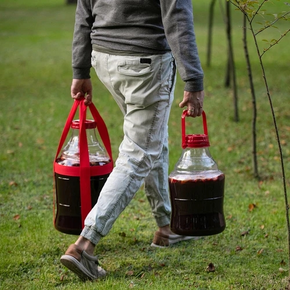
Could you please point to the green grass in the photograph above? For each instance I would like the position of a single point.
(35, 58)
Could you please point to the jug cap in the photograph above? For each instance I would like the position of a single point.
(89, 124)
(194, 140)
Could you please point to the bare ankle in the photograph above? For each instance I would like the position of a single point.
(85, 245)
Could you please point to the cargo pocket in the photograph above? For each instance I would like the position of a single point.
(138, 82)
(134, 68)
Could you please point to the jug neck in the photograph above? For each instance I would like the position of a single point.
(195, 159)
(197, 152)
(94, 147)
(97, 153)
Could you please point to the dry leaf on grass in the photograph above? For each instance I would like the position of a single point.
(16, 217)
(210, 267)
(130, 273)
(245, 233)
(252, 206)
(13, 183)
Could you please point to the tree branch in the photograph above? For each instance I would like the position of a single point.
(276, 42)
(272, 23)
(257, 11)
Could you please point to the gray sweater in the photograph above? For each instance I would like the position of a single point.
(137, 27)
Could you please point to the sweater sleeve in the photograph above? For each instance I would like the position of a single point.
(177, 19)
(81, 46)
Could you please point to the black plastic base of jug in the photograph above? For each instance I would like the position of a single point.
(197, 206)
(68, 205)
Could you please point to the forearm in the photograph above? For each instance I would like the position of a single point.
(81, 47)
(179, 30)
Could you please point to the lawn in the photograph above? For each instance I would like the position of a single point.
(252, 252)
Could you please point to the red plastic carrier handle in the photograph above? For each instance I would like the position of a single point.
(202, 137)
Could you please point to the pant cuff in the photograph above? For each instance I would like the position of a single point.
(162, 221)
(91, 234)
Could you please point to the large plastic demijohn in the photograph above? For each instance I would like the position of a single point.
(196, 188)
(81, 168)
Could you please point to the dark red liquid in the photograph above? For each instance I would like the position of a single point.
(197, 206)
(68, 205)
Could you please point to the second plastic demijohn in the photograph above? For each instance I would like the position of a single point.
(68, 196)
(196, 188)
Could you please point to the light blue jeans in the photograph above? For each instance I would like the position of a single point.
(143, 88)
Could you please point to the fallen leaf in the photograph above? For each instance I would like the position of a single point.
(260, 251)
(16, 217)
(252, 206)
(262, 227)
(238, 248)
(131, 285)
(12, 183)
(130, 273)
(210, 267)
(245, 233)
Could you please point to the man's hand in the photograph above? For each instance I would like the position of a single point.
(194, 103)
(82, 88)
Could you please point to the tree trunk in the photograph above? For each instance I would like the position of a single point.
(254, 120)
(71, 1)
(231, 70)
(209, 43)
